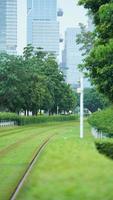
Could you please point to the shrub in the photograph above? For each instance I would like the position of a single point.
(105, 147)
(8, 116)
(103, 121)
(23, 120)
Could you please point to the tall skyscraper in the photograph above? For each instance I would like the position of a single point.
(72, 58)
(13, 21)
(43, 28)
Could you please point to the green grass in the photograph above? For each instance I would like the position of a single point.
(17, 146)
(68, 169)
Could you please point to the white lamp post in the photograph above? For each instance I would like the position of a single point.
(81, 92)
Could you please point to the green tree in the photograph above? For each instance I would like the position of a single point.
(93, 100)
(68, 101)
(11, 68)
(32, 82)
(99, 62)
(85, 39)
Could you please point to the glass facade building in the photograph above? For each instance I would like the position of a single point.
(12, 19)
(8, 26)
(72, 58)
(2, 25)
(43, 28)
(45, 10)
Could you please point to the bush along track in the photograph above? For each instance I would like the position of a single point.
(103, 122)
(24, 120)
(105, 147)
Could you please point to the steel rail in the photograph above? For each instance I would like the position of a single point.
(29, 168)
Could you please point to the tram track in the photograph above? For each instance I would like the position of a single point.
(11, 132)
(35, 159)
(16, 144)
(19, 142)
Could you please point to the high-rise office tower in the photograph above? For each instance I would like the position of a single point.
(72, 58)
(13, 21)
(43, 27)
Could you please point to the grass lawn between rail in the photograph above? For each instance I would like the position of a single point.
(69, 168)
(17, 147)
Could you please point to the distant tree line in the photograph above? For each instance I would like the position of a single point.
(93, 100)
(33, 82)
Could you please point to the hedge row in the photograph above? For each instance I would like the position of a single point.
(105, 147)
(23, 120)
(8, 116)
(103, 121)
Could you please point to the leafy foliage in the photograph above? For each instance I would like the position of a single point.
(85, 39)
(103, 121)
(93, 5)
(105, 147)
(6, 116)
(23, 120)
(100, 67)
(33, 83)
(99, 62)
(93, 100)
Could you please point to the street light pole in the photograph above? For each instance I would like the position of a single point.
(81, 107)
(57, 110)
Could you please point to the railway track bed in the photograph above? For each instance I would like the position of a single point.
(68, 168)
(30, 166)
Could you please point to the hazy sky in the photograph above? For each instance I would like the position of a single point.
(73, 14)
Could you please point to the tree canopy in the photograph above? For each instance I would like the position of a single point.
(33, 82)
(93, 100)
(99, 60)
